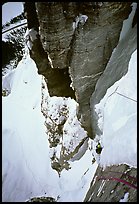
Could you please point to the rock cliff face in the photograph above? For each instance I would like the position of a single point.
(109, 186)
(115, 69)
(79, 38)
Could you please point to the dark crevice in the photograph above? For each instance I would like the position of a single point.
(134, 19)
(58, 80)
(71, 50)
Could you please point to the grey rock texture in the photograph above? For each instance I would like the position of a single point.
(107, 190)
(84, 51)
(116, 68)
(58, 80)
(112, 190)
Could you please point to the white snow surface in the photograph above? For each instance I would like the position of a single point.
(125, 199)
(79, 19)
(30, 36)
(26, 164)
(118, 120)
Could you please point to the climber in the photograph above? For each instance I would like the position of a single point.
(98, 148)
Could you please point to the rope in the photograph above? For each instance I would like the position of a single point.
(119, 180)
(132, 177)
(126, 97)
(14, 28)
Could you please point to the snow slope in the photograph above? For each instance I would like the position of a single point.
(118, 120)
(26, 163)
(117, 111)
(25, 148)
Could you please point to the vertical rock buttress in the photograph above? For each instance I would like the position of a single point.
(78, 46)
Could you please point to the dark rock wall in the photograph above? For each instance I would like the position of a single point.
(58, 80)
(93, 46)
(55, 30)
(112, 190)
(86, 50)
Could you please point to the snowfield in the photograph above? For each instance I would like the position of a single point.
(26, 152)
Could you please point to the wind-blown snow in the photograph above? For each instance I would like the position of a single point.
(26, 163)
(118, 119)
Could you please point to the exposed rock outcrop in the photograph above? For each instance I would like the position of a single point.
(58, 80)
(111, 184)
(42, 199)
(107, 185)
(79, 38)
(116, 68)
(93, 46)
